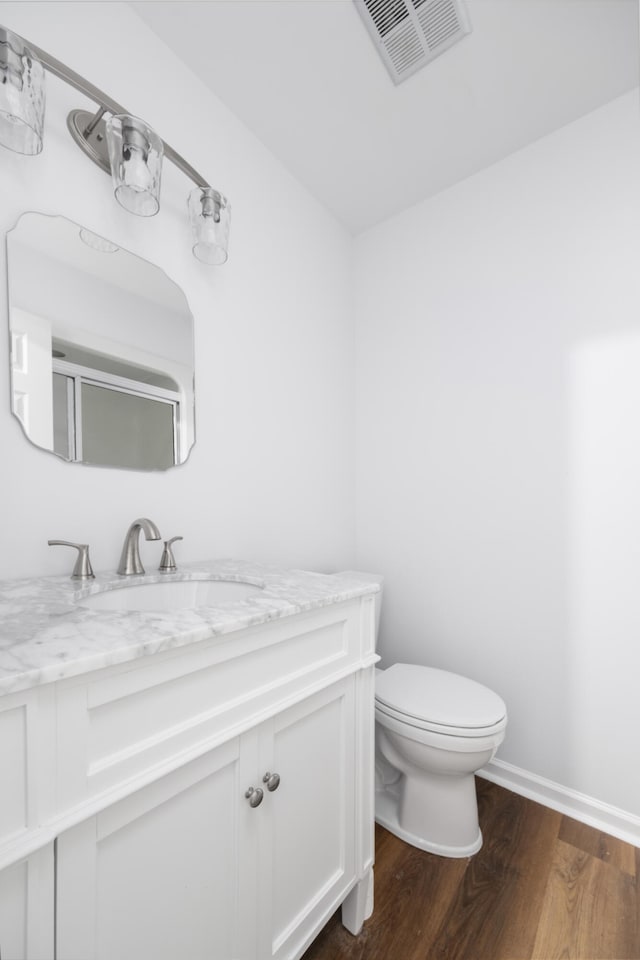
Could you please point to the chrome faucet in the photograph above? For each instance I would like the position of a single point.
(130, 563)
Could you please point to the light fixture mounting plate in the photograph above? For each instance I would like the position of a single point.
(93, 144)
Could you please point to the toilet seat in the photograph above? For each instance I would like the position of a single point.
(438, 701)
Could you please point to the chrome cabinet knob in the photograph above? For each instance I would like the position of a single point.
(254, 795)
(272, 781)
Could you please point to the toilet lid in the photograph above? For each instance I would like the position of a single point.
(439, 697)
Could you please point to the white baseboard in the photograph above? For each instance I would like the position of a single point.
(601, 816)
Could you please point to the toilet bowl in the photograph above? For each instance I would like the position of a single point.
(434, 730)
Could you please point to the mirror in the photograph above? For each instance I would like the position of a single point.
(102, 351)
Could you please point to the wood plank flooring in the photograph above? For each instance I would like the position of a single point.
(543, 887)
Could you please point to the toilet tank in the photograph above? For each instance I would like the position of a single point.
(370, 578)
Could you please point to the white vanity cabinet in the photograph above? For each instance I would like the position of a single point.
(162, 850)
(187, 867)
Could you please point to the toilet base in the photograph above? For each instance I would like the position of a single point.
(387, 806)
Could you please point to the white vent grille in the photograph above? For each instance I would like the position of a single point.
(410, 33)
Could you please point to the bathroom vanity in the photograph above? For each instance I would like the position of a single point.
(192, 781)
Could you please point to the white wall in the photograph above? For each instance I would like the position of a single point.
(271, 475)
(498, 326)
(498, 428)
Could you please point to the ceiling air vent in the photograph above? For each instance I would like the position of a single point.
(410, 33)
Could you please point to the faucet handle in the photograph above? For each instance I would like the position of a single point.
(167, 562)
(82, 569)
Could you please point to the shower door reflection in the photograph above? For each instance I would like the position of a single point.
(107, 424)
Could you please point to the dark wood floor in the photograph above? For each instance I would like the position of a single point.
(543, 887)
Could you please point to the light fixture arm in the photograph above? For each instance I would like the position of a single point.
(107, 105)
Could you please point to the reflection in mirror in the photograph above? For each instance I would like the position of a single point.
(102, 349)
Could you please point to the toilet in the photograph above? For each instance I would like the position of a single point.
(434, 730)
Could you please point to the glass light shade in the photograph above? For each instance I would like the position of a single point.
(210, 216)
(21, 96)
(135, 154)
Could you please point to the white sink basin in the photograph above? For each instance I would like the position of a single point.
(171, 595)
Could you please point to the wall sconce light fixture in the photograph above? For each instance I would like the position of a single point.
(135, 154)
(209, 214)
(120, 144)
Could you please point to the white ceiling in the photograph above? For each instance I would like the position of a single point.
(305, 77)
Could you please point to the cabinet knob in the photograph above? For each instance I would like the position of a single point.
(254, 796)
(272, 781)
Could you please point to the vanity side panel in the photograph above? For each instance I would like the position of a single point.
(358, 905)
(365, 744)
(14, 765)
(27, 907)
(27, 765)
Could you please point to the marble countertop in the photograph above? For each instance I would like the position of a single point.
(47, 634)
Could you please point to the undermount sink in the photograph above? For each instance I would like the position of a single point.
(171, 595)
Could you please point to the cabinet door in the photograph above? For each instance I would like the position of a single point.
(307, 830)
(156, 875)
(26, 908)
